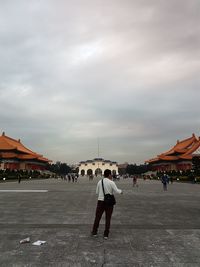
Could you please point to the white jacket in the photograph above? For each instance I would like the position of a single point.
(109, 188)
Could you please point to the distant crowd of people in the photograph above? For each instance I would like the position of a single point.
(71, 177)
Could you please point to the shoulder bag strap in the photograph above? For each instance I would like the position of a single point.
(103, 187)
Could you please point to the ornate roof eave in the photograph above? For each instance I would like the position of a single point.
(27, 156)
(169, 152)
(9, 156)
(188, 157)
(13, 144)
(169, 158)
(186, 142)
(9, 144)
(183, 149)
(97, 160)
(181, 146)
(152, 160)
(193, 148)
(14, 156)
(44, 159)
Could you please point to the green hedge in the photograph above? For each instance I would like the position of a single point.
(13, 175)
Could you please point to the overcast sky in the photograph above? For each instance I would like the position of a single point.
(126, 72)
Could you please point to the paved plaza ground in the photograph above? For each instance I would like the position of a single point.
(150, 227)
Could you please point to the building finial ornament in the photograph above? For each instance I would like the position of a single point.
(3, 133)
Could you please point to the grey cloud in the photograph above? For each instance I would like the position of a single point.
(127, 73)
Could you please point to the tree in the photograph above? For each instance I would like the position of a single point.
(59, 168)
(196, 165)
(64, 169)
(132, 169)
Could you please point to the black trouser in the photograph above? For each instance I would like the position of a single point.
(101, 207)
(165, 186)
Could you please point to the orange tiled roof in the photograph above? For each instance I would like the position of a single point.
(171, 157)
(8, 144)
(27, 156)
(152, 160)
(182, 150)
(189, 157)
(8, 155)
(181, 146)
(44, 159)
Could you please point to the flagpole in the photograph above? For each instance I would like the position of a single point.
(98, 152)
(98, 146)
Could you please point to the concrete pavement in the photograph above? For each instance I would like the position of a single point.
(150, 227)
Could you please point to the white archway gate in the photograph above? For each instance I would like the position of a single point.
(97, 166)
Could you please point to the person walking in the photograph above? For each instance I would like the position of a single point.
(104, 186)
(135, 181)
(69, 178)
(19, 178)
(165, 181)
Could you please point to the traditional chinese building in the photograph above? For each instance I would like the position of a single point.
(97, 166)
(15, 156)
(179, 157)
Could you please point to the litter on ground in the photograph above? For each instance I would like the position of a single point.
(39, 243)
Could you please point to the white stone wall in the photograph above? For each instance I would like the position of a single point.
(97, 165)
